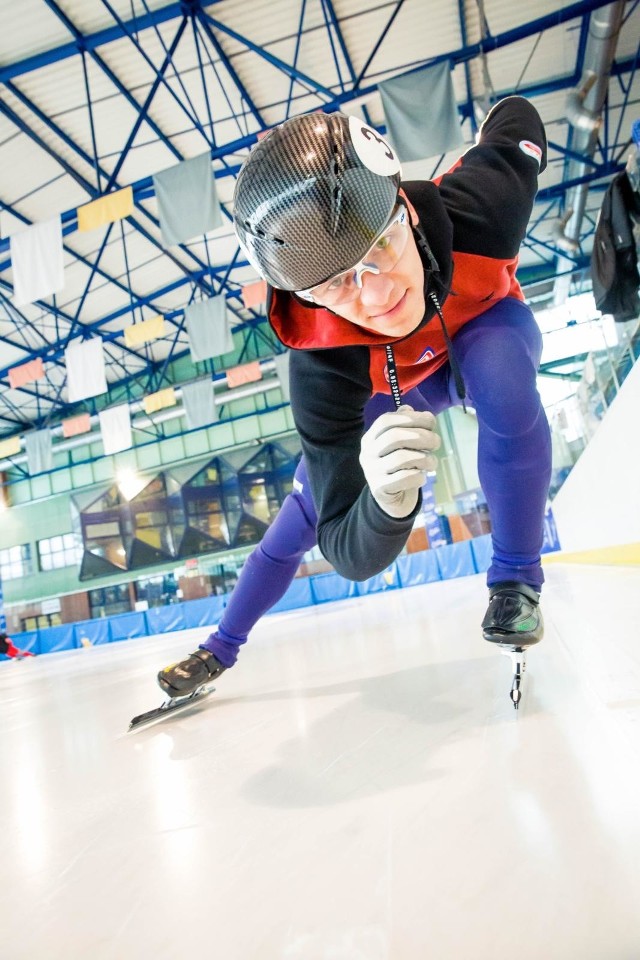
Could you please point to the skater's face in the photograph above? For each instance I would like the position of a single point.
(385, 301)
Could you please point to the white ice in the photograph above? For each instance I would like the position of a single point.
(358, 788)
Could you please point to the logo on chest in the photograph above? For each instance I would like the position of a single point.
(427, 354)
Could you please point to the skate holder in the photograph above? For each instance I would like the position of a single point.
(518, 657)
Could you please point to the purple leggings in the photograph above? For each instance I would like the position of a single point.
(498, 354)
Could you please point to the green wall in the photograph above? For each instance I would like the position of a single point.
(41, 507)
(458, 455)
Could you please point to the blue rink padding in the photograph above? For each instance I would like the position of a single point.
(26, 641)
(455, 560)
(52, 639)
(203, 612)
(95, 631)
(387, 580)
(165, 619)
(125, 626)
(29, 640)
(298, 595)
(417, 568)
(331, 586)
(482, 550)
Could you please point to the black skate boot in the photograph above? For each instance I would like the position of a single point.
(513, 617)
(181, 679)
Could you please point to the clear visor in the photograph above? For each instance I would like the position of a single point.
(381, 257)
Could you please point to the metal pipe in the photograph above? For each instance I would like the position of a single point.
(584, 111)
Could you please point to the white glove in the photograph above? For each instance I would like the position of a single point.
(395, 455)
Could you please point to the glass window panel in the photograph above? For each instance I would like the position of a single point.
(97, 530)
(208, 517)
(15, 562)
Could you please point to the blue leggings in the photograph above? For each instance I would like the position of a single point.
(498, 354)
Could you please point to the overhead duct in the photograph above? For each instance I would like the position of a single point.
(558, 233)
(584, 110)
(577, 114)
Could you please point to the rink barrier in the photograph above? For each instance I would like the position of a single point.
(454, 560)
(90, 633)
(326, 587)
(481, 549)
(298, 595)
(126, 626)
(418, 568)
(203, 612)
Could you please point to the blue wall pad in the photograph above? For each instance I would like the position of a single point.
(455, 560)
(29, 640)
(387, 580)
(298, 595)
(95, 631)
(482, 549)
(204, 612)
(417, 568)
(165, 619)
(331, 586)
(57, 638)
(126, 625)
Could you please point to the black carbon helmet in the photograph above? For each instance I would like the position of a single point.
(312, 196)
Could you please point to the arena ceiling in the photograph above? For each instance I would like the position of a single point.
(101, 94)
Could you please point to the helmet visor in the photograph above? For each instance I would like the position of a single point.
(382, 256)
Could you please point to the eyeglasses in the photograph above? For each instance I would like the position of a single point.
(381, 257)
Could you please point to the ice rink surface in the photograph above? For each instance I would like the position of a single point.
(359, 787)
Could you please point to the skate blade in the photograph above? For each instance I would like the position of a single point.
(170, 707)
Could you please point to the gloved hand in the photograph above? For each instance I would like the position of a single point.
(395, 454)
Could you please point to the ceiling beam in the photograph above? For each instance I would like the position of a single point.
(92, 41)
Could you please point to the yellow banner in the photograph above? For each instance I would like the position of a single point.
(113, 206)
(139, 333)
(10, 447)
(156, 401)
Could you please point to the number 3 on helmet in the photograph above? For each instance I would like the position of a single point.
(312, 196)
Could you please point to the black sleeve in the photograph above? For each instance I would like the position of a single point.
(329, 389)
(490, 192)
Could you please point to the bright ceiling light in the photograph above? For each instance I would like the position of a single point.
(129, 482)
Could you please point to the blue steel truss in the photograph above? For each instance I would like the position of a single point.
(134, 371)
